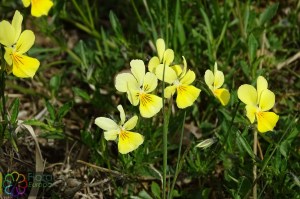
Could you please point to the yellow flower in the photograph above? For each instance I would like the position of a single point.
(138, 86)
(16, 44)
(180, 81)
(128, 141)
(214, 81)
(38, 7)
(258, 102)
(164, 56)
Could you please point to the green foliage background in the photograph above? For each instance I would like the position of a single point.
(83, 45)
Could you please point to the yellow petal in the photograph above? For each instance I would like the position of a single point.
(261, 85)
(170, 74)
(169, 91)
(186, 95)
(7, 34)
(149, 105)
(24, 66)
(17, 24)
(133, 96)
(188, 78)
(266, 121)
(8, 55)
(125, 81)
(250, 112)
(168, 57)
(267, 100)
(112, 134)
(161, 47)
(25, 41)
(150, 82)
(247, 94)
(177, 69)
(106, 124)
(209, 78)
(129, 141)
(122, 114)
(223, 95)
(40, 7)
(138, 70)
(153, 63)
(131, 123)
(26, 3)
(184, 67)
(219, 79)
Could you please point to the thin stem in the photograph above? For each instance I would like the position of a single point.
(165, 138)
(254, 191)
(179, 154)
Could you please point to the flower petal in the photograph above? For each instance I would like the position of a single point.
(17, 24)
(186, 95)
(261, 85)
(26, 3)
(40, 7)
(267, 100)
(122, 113)
(188, 78)
(24, 66)
(7, 55)
(250, 112)
(7, 34)
(153, 63)
(219, 79)
(184, 67)
(125, 81)
(168, 57)
(177, 69)
(129, 141)
(223, 95)
(138, 70)
(170, 74)
(131, 123)
(266, 121)
(25, 41)
(161, 47)
(112, 134)
(133, 96)
(247, 94)
(209, 78)
(150, 104)
(106, 124)
(169, 91)
(150, 82)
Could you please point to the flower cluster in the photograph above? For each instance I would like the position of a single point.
(140, 87)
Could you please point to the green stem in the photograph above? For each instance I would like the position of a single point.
(178, 157)
(254, 191)
(165, 137)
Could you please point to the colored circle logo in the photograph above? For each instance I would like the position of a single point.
(15, 184)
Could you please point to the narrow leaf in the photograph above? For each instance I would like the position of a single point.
(14, 110)
(245, 144)
(268, 14)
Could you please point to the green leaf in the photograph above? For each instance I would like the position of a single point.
(245, 144)
(14, 108)
(268, 14)
(81, 93)
(155, 189)
(35, 122)
(252, 47)
(51, 110)
(64, 110)
(55, 83)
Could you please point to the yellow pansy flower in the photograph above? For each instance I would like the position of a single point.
(38, 7)
(214, 81)
(128, 141)
(164, 56)
(180, 81)
(258, 102)
(16, 44)
(138, 86)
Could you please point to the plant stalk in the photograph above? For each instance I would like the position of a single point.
(254, 191)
